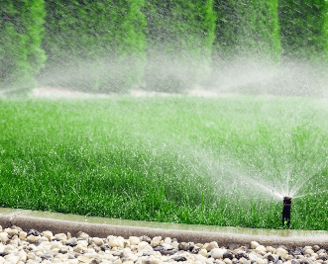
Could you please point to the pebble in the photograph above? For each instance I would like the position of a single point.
(19, 247)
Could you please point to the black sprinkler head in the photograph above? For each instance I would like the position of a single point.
(286, 210)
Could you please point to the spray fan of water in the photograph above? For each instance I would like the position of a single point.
(228, 173)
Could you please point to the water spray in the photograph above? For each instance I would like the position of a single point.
(286, 210)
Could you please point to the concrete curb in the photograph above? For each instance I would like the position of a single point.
(104, 230)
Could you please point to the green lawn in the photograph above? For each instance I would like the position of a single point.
(178, 160)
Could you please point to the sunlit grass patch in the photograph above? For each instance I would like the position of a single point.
(183, 160)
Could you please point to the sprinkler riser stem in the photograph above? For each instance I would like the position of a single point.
(286, 211)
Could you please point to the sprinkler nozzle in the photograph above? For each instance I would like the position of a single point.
(286, 210)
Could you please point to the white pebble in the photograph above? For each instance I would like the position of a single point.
(55, 245)
(32, 238)
(252, 256)
(227, 261)
(98, 241)
(242, 260)
(167, 240)
(134, 240)
(156, 241)
(211, 245)
(270, 249)
(217, 253)
(143, 245)
(61, 236)
(4, 237)
(254, 244)
(203, 252)
(282, 252)
(199, 262)
(308, 251)
(260, 248)
(200, 257)
(47, 234)
(114, 242)
(22, 235)
(12, 259)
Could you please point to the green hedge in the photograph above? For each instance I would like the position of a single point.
(304, 29)
(180, 36)
(21, 54)
(94, 46)
(248, 28)
(112, 46)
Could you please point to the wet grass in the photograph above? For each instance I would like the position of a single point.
(182, 160)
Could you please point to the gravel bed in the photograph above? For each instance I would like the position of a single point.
(21, 247)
